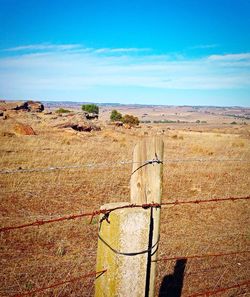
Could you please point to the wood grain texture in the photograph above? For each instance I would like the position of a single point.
(146, 187)
(146, 182)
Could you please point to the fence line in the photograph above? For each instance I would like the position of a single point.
(205, 270)
(113, 164)
(106, 212)
(220, 290)
(201, 256)
(97, 274)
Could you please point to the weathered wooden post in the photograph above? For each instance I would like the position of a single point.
(128, 237)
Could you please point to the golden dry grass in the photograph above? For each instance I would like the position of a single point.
(39, 256)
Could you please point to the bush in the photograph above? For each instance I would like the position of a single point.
(233, 123)
(115, 115)
(131, 120)
(62, 110)
(91, 108)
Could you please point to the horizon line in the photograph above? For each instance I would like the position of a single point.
(129, 104)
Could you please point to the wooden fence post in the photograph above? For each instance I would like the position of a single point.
(128, 237)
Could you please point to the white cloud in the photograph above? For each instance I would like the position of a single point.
(47, 47)
(122, 50)
(230, 57)
(73, 67)
(43, 47)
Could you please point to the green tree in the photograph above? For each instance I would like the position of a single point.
(91, 108)
(115, 115)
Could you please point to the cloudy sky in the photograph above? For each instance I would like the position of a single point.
(161, 52)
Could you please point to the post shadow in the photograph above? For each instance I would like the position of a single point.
(172, 284)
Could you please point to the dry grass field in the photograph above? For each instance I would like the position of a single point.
(34, 257)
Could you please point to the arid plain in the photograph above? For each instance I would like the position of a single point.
(207, 156)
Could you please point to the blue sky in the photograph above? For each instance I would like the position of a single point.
(161, 52)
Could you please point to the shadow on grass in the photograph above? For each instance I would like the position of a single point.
(172, 284)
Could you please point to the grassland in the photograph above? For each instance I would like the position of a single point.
(39, 256)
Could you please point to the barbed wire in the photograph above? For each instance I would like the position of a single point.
(220, 290)
(205, 270)
(113, 164)
(177, 202)
(200, 256)
(105, 212)
(97, 274)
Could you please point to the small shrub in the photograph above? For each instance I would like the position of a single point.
(130, 119)
(62, 110)
(233, 123)
(115, 116)
(91, 108)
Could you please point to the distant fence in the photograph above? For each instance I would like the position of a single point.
(113, 165)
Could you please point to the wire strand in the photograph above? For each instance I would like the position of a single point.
(113, 164)
(97, 274)
(200, 256)
(220, 290)
(106, 211)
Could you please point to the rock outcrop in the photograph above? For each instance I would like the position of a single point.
(75, 122)
(33, 106)
(23, 129)
(82, 127)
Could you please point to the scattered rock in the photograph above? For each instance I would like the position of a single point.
(82, 127)
(30, 106)
(21, 106)
(23, 129)
(90, 116)
(1, 113)
(35, 106)
(117, 123)
(77, 123)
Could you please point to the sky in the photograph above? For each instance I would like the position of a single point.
(189, 52)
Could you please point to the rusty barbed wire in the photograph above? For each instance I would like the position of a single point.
(177, 202)
(113, 164)
(97, 274)
(205, 270)
(107, 211)
(200, 256)
(220, 290)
